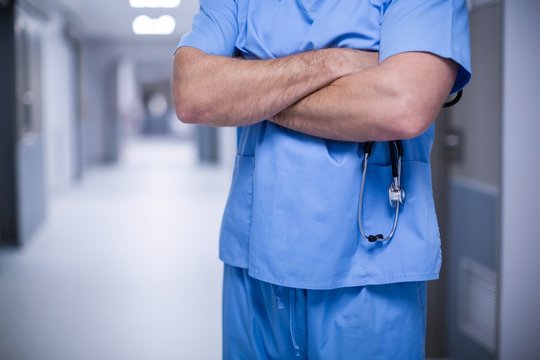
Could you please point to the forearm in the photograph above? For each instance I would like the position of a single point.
(395, 100)
(225, 91)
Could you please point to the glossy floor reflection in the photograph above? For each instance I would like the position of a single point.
(125, 267)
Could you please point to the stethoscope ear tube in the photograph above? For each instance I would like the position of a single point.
(454, 101)
(395, 154)
(368, 148)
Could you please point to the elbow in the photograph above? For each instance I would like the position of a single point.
(198, 112)
(411, 125)
(190, 105)
(411, 119)
(187, 114)
(187, 108)
(185, 117)
(183, 104)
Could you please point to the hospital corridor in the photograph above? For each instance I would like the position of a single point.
(126, 266)
(114, 213)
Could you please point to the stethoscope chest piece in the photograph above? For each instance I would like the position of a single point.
(396, 194)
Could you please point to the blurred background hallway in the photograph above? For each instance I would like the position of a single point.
(127, 262)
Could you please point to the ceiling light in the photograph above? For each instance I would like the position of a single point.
(144, 25)
(164, 25)
(154, 3)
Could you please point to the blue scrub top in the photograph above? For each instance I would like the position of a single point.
(291, 215)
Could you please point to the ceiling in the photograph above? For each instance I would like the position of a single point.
(111, 19)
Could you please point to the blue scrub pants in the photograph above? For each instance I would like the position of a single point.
(266, 321)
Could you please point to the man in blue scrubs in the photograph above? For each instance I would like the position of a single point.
(307, 83)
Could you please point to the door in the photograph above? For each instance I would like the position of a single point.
(30, 171)
(467, 160)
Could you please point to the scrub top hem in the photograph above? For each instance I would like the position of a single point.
(311, 285)
(342, 284)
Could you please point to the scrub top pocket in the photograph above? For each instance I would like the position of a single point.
(416, 243)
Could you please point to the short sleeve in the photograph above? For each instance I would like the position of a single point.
(214, 29)
(440, 27)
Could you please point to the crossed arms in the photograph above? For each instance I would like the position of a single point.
(338, 94)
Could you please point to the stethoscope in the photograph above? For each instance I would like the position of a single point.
(396, 192)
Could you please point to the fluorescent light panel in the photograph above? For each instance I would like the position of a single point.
(144, 25)
(154, 3)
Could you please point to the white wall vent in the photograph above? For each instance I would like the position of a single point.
(478, 303)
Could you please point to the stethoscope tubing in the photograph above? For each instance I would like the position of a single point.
(396, 152)
(396, 192)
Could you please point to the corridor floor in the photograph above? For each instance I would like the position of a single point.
(125, 266)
